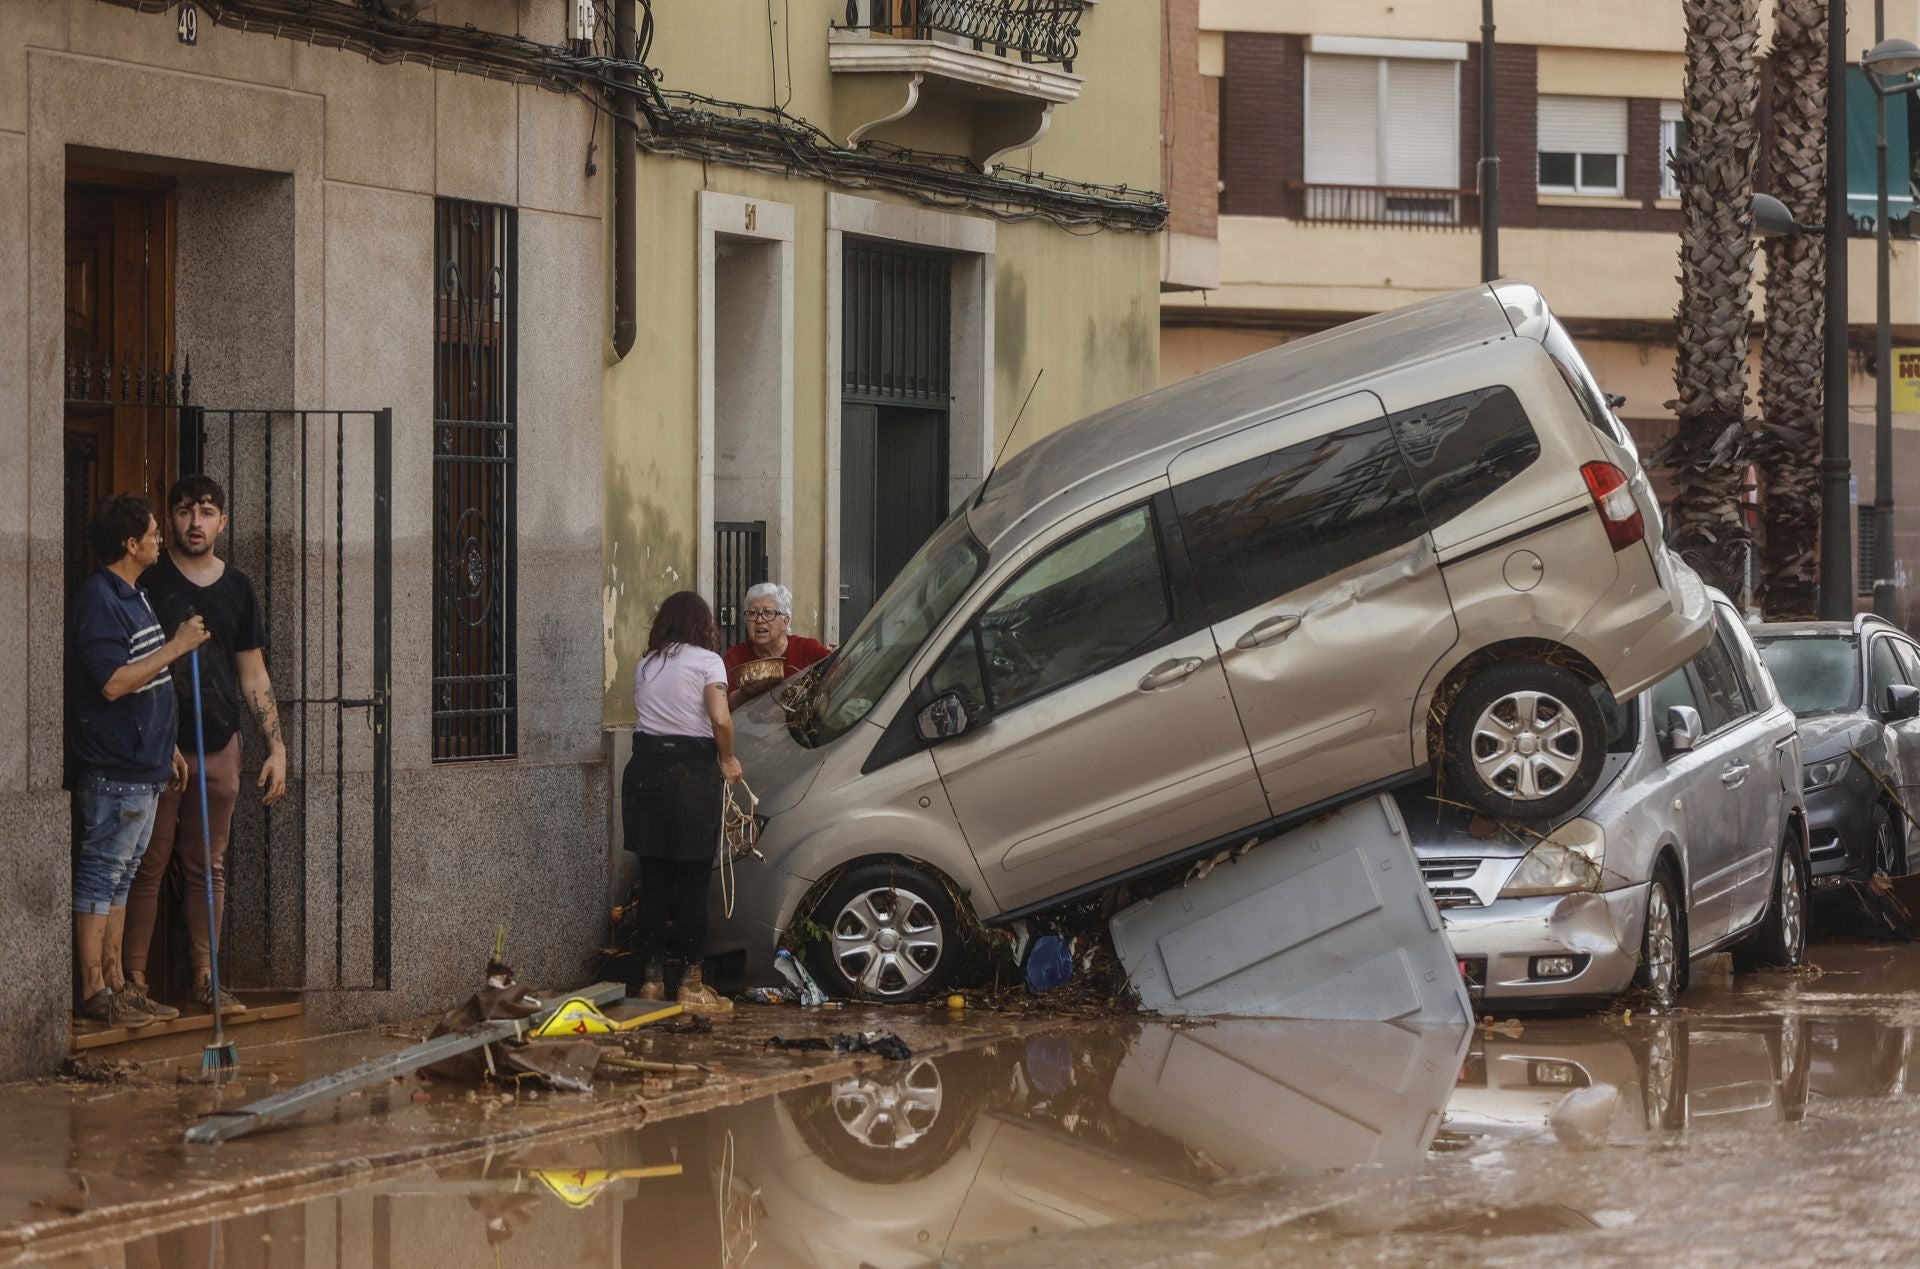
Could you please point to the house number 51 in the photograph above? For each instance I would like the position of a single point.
(752, 214)
(189, 27)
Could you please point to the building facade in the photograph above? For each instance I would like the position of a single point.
(364, 264)
(1349, 145)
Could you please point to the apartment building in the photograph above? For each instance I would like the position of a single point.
(1349, 145)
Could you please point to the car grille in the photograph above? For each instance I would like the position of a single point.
(1444, 878)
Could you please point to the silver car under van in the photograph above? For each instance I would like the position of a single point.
(1415, 542)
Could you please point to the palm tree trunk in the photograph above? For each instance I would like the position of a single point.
(1787, 446)
(1714, 166)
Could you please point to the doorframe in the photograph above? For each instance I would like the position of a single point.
(970, 418)
(766, 221)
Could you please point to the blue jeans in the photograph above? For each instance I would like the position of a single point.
(116, 819)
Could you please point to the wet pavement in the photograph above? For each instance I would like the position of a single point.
(1775, 1116)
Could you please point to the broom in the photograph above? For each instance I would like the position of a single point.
(221, 1053)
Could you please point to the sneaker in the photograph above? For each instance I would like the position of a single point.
(135, 995)
(654, 986)
(697, 997)
(203, 996)
(110, 1010)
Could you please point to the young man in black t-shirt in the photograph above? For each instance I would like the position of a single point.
(192, 580)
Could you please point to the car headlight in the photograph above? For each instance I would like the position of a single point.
(1828, 771)
(1568, 861)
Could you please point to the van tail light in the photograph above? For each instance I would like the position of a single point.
(1618, 511)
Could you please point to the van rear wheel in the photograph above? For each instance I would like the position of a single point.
(1524, 740)
(892, 933)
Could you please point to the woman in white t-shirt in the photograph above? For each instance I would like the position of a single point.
(670, 792)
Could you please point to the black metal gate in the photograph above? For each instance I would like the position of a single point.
(896, 390)
(740, 562)
(293, 479)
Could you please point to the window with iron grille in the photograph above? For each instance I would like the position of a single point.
(474, 696)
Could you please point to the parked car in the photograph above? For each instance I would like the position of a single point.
(1697, 842)
(1855, 687)
(1213, 612)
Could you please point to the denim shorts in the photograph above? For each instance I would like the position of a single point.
(116, 819)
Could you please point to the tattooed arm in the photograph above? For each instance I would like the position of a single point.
(257, 687)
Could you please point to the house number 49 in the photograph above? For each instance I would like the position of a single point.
(189, 27)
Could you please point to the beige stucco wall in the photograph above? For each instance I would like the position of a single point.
(1079, 305)
(1648, 25)
(1297, 267)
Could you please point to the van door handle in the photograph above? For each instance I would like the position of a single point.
(1735, 775)
(1168, 672)
(1268, 630)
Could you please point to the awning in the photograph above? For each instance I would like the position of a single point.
(1861, 130)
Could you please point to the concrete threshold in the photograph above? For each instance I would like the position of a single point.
(105, 1162)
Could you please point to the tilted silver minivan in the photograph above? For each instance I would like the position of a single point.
(1212, 612)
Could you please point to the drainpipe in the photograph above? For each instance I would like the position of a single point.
(626, 162)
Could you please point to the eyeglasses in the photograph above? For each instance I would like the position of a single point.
(763, 614)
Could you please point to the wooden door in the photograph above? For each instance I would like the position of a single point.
(119, 349)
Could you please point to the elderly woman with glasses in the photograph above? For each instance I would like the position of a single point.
(769, 613)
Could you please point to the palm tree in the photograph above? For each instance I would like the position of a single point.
(1787, 445)
(1714, 166)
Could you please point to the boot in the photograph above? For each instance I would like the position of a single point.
(697, 997)
(654, 987)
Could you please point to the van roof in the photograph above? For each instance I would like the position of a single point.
(1125, 444)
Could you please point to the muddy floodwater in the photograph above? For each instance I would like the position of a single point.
(1775, 1118)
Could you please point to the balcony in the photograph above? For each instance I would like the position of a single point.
(1414, 206)
(1004, 64)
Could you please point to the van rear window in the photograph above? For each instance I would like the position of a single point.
(1462, 448)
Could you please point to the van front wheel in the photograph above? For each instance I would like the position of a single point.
(892, 933)
(1524, 740)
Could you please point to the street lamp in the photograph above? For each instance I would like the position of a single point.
(1771, 219)
(1898, 59)
(1836, 464)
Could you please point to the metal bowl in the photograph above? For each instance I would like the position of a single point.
(761, 671)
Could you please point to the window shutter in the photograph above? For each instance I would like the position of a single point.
(1423, 125)
(1343, 120)
(1670, 112)
(1583, 125)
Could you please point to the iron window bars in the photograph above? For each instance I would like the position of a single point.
(475, 695)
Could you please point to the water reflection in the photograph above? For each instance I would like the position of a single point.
(1058, 1132)
(1075, 1130)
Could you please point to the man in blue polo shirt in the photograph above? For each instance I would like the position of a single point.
(122, 734)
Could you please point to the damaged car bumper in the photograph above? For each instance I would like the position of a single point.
(1550, 950)
(1840, 832)
(740, 948)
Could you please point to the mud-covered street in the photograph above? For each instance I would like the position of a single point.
(1771, 1118)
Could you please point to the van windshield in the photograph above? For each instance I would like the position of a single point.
(919, 598)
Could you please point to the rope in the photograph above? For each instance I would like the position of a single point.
(740, 835)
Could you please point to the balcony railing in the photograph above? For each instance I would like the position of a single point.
(1420, 207)
(1040, 31)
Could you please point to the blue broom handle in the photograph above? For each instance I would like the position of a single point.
(206, 834)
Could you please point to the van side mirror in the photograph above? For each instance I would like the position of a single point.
(944, 719)
(1683, 728)
(1903, 703)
